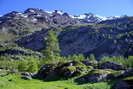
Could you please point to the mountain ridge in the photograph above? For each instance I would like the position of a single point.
(76, 36)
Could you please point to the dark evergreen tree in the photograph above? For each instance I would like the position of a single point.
(52, 45)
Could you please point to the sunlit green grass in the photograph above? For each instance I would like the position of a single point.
(15, 82)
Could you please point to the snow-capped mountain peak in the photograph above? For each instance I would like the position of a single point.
(89, 18)
(38, 14)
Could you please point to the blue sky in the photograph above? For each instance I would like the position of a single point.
(100, 7)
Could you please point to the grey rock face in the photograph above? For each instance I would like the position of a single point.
(34, 41)
(77, 41)
(85, 41)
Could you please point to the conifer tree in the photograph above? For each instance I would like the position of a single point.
(52, 45)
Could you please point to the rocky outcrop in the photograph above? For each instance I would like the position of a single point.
(3, 72)
(101, 75)
(45, 70)
(26, 76)
(65, 70)
(124, 84)
(93, 78)
(121, 85)
(111, 65)
(128, 73)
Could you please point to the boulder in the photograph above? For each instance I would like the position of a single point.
(126, 83)
(90, 63)
(121, 85)
(44, 71)
(63, 70)
(111, 65)
(72, 69)
(128, 73)
(94, 76)
(68, 71)
(3, 72)
(26, 76)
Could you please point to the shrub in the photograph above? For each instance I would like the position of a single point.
(75, 57)
(92, 57)
(32, 65)
(28, 65)
(8, 64)
(23, 65)
(129, 62)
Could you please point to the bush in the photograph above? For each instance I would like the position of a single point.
(33, 65)
(23, 65)
(92, 57)
(8, 65)
(129, 62)
(78, 57)
(28, 65)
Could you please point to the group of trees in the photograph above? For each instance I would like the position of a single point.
(52, 55)
(28, 64)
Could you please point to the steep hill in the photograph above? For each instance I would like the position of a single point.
(85, 34)
(114, 39)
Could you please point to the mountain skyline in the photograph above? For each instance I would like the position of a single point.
(110, 8)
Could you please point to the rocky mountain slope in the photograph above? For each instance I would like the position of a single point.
(22, 23)
(85, 34)
(100, 39)
(17, 24)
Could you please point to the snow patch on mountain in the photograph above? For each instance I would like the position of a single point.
(60, 12)
(101, 17)
(81, 17)
(50, 12)
(89, 17)
(113, 17)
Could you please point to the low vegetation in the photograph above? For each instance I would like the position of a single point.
(15, 82)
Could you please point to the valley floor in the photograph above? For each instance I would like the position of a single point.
(14, 81)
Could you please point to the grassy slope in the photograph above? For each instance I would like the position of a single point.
(15, 82)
